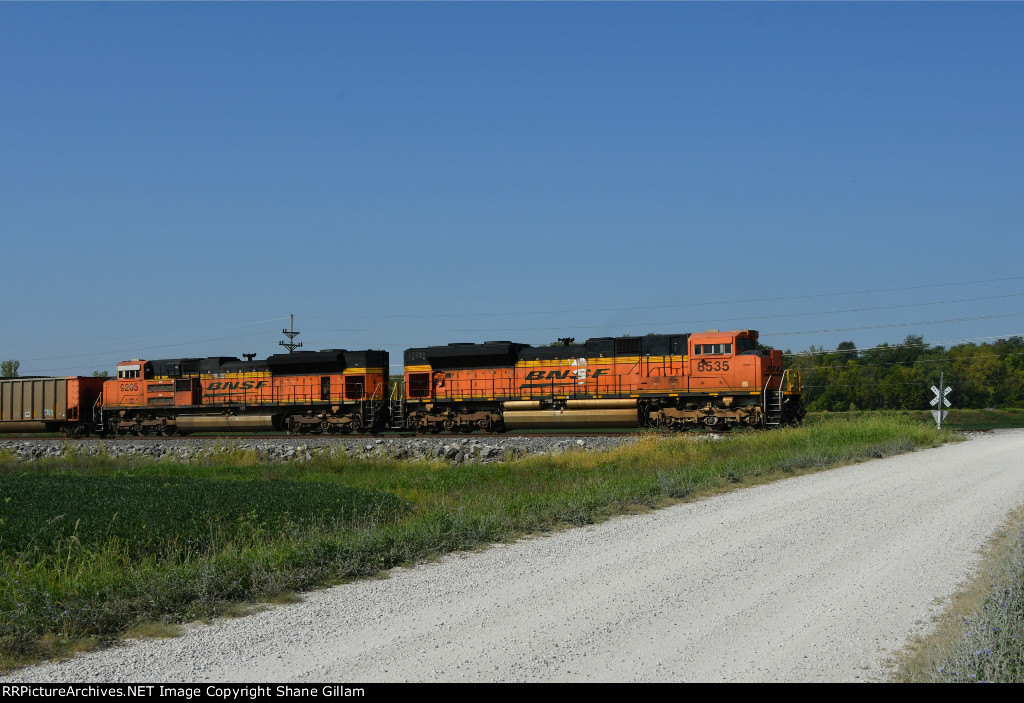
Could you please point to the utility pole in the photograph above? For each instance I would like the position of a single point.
(291, 344)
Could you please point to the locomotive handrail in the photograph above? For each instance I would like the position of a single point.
(97, 412)
(792, 380)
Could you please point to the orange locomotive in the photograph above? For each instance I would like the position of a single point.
(331, 391)
(716, 380)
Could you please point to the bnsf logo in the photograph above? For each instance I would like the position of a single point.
(235, 385)
(573, 373)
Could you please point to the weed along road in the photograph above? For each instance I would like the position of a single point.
(814, 578)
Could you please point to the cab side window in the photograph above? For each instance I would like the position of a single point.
(703, 349)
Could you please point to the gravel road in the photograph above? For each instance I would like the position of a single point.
(816, 578)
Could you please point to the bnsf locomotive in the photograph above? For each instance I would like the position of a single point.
(713, 380)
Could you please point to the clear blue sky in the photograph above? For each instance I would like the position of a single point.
(176, 179)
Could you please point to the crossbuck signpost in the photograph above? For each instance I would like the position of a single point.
(939, 400)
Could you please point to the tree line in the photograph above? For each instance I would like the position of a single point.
(900, 376)
(9, 369)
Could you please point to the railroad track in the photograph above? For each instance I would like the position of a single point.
(292, 437)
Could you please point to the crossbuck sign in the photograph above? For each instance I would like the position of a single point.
(938, 401)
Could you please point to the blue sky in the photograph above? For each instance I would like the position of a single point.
(177, 178)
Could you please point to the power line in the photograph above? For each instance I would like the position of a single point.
(605, 325)
(897, 324)
(684, 323)
(120, 353)
(761, 299)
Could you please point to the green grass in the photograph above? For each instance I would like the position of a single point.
(980, 636)
(957, 419)
(93, 547)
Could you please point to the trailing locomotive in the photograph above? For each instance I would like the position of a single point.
(330, 391)
(713, 380)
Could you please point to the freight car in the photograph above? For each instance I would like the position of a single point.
(714, 380)
(49, 404)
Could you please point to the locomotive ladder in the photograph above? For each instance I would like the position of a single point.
(97, 414)
(397, 403)
(370, 409)
(773, 399)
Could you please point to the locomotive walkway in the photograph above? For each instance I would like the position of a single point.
(815, 578)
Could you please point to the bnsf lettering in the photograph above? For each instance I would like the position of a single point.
(552, 375)
(235, 385)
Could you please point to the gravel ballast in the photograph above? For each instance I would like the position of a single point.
(451, 448)
(815, 578)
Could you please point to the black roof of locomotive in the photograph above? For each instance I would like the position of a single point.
(491, 354)
(324, 361)
(462, 354)
(327, 360)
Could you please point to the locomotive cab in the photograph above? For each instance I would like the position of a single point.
(134, 369)
(129, 388)
(139, 385)
(726, 361)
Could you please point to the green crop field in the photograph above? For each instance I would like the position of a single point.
(165, 517)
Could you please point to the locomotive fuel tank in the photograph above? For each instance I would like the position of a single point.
(564, 419)
(225, 423)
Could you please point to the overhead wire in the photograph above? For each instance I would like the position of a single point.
(150, 347)
(746, 301)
